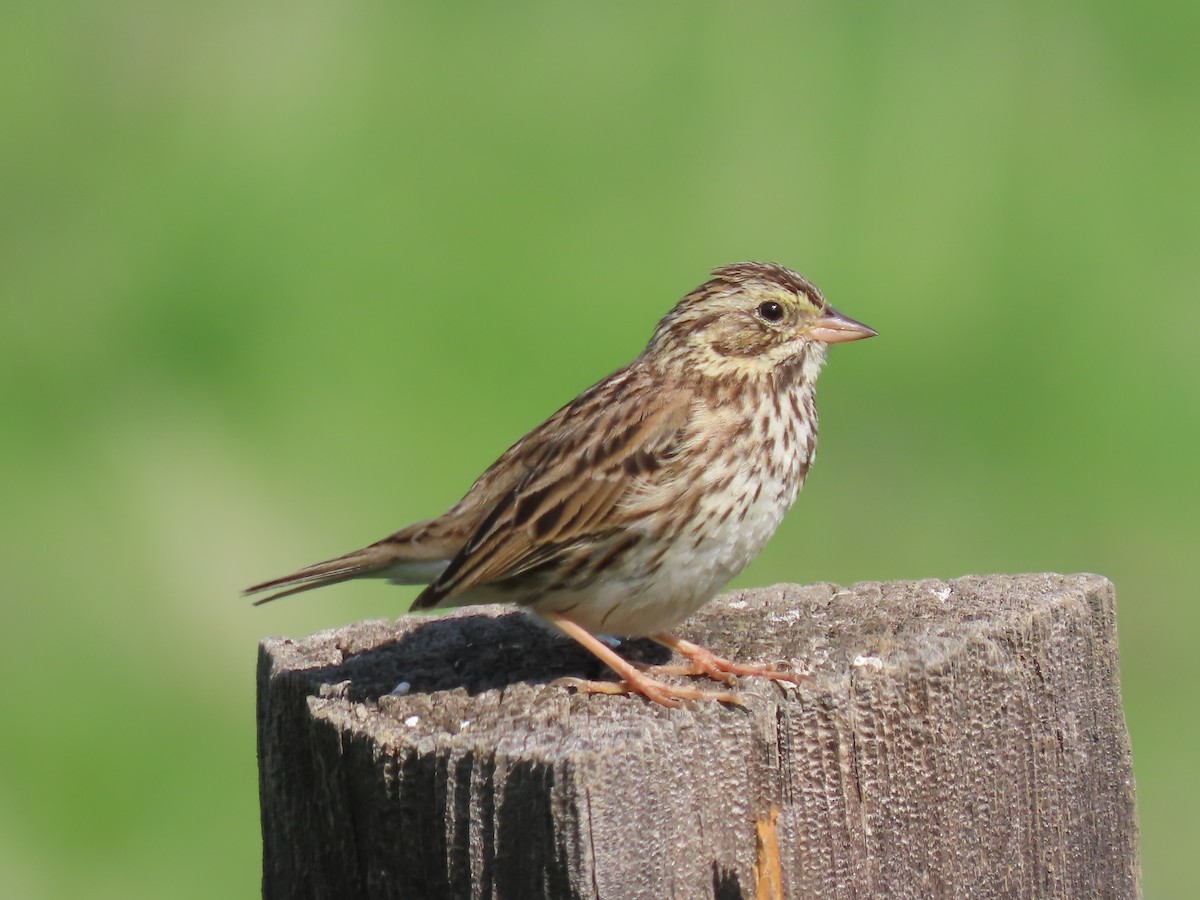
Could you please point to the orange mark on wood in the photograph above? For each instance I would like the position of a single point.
(768, 871)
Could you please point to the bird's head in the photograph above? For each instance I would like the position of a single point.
(750, 319)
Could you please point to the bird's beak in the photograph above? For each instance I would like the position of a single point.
(834, 328)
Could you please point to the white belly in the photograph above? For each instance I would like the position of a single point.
(650, 595)
(743, 493)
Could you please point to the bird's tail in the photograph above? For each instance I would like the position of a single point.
(372, 560)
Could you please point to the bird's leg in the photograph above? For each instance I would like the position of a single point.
(633, 680)
(702, 661)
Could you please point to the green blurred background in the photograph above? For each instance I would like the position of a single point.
(279, 278)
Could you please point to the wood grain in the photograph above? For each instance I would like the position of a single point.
(960, 739)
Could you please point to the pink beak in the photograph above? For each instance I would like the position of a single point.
(834, 328)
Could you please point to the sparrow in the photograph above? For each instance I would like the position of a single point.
(633, 505)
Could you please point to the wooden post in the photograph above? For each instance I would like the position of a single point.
(960, 739)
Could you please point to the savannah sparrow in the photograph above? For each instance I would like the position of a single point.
(632, 506)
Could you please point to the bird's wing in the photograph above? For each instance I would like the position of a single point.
(578, 468)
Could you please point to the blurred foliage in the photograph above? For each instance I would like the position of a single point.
(277, 278)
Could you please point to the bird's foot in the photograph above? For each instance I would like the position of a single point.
(703, 662)
(640, 680)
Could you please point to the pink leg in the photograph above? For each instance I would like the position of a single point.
(705, 662)
(633, 680)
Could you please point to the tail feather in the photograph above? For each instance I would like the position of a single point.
(361, 563)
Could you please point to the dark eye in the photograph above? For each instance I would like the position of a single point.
(770, 311)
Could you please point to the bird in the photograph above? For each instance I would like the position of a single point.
(635, 503)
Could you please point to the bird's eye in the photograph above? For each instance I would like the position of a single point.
(770, 311)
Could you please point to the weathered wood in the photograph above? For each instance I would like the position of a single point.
(960, 739)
